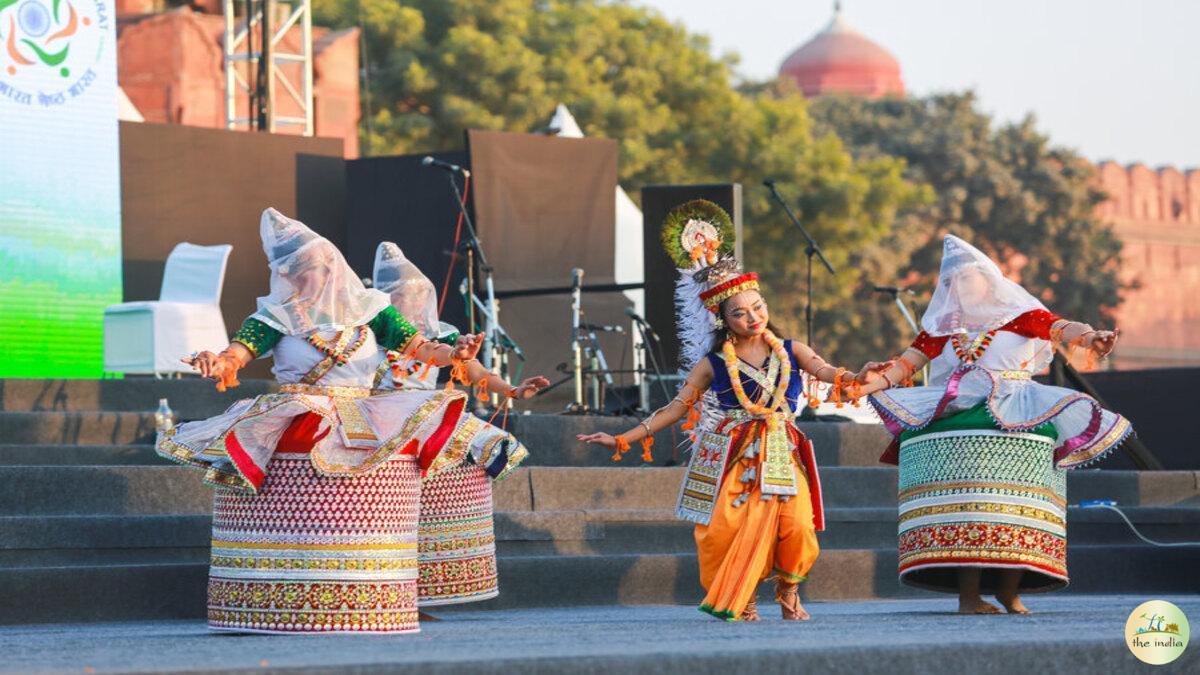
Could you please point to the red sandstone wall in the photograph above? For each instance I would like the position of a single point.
(170, 66)
(1157, 215)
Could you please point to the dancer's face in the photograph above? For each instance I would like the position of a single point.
(972, 288)
(746, 314)
(311, 274)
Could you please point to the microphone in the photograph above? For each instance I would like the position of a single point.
(770, 182)
(601, 327)
(445, 166)
(576, 277)
(632, 314)
(893, 289)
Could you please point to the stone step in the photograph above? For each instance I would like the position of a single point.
(171, 489)
(114, 490)
(190, 397)
(26, 540)
(551, 441)
(125, 591)
(76, 428)
(58, 455)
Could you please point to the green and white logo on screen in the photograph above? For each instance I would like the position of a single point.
(49, 49)
(1157, 632)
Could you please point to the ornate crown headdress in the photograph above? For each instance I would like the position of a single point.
(698, 236)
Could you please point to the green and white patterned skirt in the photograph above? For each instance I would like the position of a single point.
(972, 495)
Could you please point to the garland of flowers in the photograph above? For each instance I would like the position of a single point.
(779, 396)
(336, 347)
(969, 353)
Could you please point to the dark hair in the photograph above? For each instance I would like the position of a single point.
(721, 334)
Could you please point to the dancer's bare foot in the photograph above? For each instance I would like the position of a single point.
(976, 605)
(1012, 604)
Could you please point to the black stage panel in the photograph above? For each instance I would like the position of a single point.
(657, 201)
(1161, 405)
(398, 199)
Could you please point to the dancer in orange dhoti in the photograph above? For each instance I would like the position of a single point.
(752, 486)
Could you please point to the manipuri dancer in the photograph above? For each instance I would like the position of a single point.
(752, 486)
(318, 485)
(456, 535)
(983, 449)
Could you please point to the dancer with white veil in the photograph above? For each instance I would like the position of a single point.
(982, 448)
(318, 485)
(457, 542)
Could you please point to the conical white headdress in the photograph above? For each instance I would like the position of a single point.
(312, 287)
(1002, 300)
(411, 292)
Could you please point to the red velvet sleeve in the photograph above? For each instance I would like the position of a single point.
(929, 345)
(1035, 323)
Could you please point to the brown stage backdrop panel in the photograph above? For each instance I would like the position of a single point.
(210, 186)
(545, 205)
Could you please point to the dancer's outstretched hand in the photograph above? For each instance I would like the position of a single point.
(467, 346)
(219, 367)
(529, 388)
(1103, 341)
(870, 371)
(212, 366)
(602, 438)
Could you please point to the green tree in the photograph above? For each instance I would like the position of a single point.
(438, 67)
(1005, 188)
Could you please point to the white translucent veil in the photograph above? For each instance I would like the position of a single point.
(1003, 300)
(411, 292)
(312, 287)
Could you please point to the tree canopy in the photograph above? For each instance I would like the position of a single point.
(1006, 188)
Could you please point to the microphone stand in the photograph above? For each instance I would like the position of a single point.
(895, 292)
(648, 355)
(475, 253)
(813, 250)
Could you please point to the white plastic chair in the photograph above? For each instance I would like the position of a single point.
(151, 336)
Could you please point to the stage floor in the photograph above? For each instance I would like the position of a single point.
(1067, 634)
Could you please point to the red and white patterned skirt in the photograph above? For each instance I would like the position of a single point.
(457, 538)
(314, 554)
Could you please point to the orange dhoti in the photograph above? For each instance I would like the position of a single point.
(750, 538)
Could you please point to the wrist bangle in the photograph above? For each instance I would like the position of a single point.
(646, 427)
(888, 380)
(511, 393)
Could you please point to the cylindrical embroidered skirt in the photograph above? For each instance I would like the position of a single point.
(457, 538)
(981, 497)
(313, 554)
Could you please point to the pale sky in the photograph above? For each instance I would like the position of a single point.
(1114, 79)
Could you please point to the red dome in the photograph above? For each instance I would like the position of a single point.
(839, 59)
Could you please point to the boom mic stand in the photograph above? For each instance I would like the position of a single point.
(812, 250)
(895, 292)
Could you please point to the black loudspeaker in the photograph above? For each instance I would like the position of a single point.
(657, 201)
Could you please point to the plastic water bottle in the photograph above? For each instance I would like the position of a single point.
(164, 417)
